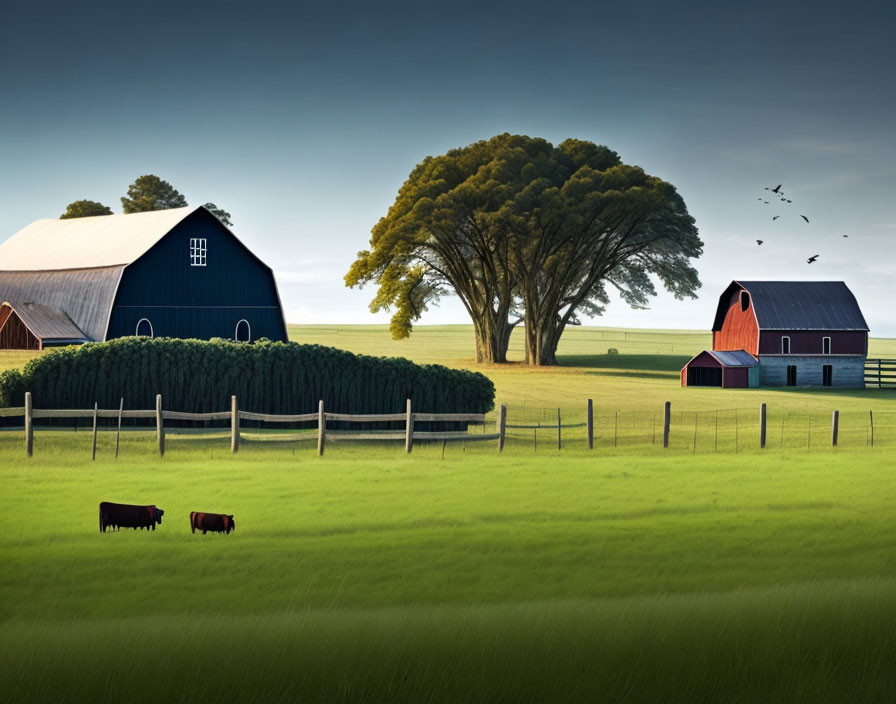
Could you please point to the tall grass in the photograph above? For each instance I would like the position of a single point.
(827, 641)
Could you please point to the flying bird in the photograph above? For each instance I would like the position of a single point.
(776, 189)
(846, 235)
(812, 259)
(758, 241)
(789, 201)
(765, 201)
(804, 218)
(776, 217)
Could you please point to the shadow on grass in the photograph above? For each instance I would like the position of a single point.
(630, 364)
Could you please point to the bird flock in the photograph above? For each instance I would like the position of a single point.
(779, 198)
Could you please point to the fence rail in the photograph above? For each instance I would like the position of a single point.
(234, 415)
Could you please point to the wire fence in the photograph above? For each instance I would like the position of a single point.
(721, 430)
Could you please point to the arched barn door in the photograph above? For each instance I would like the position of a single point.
(144, 328)
(243, 332)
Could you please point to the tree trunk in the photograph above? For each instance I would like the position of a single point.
(492, 340)
(541, 343)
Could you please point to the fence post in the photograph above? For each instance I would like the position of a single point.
(835, 428)
(502, 427)
(160, 426)
(667, 419)
(409, 429)
(559, 431)
(321, 428)
(95, 411)
(118, 432)
(234, 425)
(29, 425)
(871, 420)
(762, 425)
(590, 424)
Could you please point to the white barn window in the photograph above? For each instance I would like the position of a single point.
(825, 345)
(785, 345)
(243, 332)
(197, 251)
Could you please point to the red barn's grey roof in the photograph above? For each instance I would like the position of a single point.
(798, 305)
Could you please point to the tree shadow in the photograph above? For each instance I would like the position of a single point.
(642, 365)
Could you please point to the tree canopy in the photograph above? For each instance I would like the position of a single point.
(84, 209)
(149, 192)
(219, 213)
(525, 231)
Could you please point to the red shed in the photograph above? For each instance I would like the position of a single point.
(729, 370)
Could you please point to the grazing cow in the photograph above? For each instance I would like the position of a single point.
(119, 516)
(214, 522)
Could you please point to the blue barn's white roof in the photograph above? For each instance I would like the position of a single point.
(87, 243)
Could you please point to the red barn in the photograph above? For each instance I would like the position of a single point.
(797, 332)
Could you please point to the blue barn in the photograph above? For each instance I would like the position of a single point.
(165, 273)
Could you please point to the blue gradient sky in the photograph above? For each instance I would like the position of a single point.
(303, 123)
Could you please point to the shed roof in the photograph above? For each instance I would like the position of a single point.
(798, 305)
(735, 358)
(82, 243)
(46, 322)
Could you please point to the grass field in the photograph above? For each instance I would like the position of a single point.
(624, 574)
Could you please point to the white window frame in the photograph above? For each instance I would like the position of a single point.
(785, 337)
(152, 333)
(198, 251)
(828, 339)
(236, 331)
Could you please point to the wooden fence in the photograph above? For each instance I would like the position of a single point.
(234, 415)
(880, 373)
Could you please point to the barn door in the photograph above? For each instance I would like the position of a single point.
(243, 332)
(791, 375)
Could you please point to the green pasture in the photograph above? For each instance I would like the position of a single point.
(706, 572)
(371, 575)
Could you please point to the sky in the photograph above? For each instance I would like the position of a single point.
(303, 122)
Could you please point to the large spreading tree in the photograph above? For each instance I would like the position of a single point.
(84, 209)
(149, 192)
(523, 231)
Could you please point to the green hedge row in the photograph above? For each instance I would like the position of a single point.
(267, 377)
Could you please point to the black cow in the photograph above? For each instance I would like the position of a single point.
(214, 522)
(119, 516)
